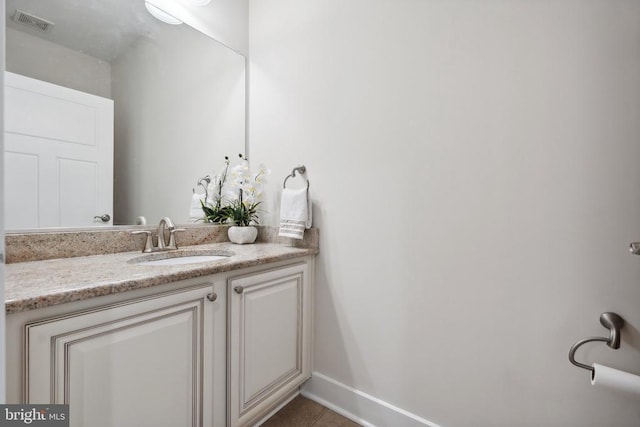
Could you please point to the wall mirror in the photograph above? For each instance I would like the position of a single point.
(177, 100)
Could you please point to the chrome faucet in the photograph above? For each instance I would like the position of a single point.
(161, 242)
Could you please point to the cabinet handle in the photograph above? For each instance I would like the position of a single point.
(212, 296)
(238, 289)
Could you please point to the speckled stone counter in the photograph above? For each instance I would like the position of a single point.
(43, 245)
(37, 284)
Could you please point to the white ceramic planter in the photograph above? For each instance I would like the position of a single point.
(242, 235)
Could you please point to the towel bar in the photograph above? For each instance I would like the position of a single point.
(611, 321)
(302, 170)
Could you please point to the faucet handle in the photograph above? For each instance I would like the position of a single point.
(172, 237)
(148, 244)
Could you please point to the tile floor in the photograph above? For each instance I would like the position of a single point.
(302, 412)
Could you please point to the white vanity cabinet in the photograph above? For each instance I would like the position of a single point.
(148, 361)
(269, 348)
(226, 349)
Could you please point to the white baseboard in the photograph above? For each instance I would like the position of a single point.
(358, 406)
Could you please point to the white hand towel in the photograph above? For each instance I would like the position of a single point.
(195, 211)
(295, 212)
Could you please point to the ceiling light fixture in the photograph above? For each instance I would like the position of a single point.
(161, 14)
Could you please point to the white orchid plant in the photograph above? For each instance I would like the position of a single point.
(237, 193)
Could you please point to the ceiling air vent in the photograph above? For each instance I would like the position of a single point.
(38, 24)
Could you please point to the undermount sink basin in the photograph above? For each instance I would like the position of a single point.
(192, 259)
(180, 258)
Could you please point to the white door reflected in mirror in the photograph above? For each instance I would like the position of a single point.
(58, 156)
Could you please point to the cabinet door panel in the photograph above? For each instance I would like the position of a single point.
(133, 364)
(269, 328)
(109, 371)
(270, 342)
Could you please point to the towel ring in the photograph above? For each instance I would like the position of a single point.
(201, 181)
(611, 321)
(302, 170)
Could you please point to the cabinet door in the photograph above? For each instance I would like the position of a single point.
(269, 339)
(140, 363)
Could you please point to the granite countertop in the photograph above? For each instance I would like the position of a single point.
(37, 284)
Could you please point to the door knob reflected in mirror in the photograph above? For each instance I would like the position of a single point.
(103, 218)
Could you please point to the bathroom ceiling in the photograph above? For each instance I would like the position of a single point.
(98, 28)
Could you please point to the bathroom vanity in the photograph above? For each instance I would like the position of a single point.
(127, 343)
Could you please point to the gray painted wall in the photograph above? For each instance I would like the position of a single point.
(179, 110)
(40, 59)
(474, 170)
